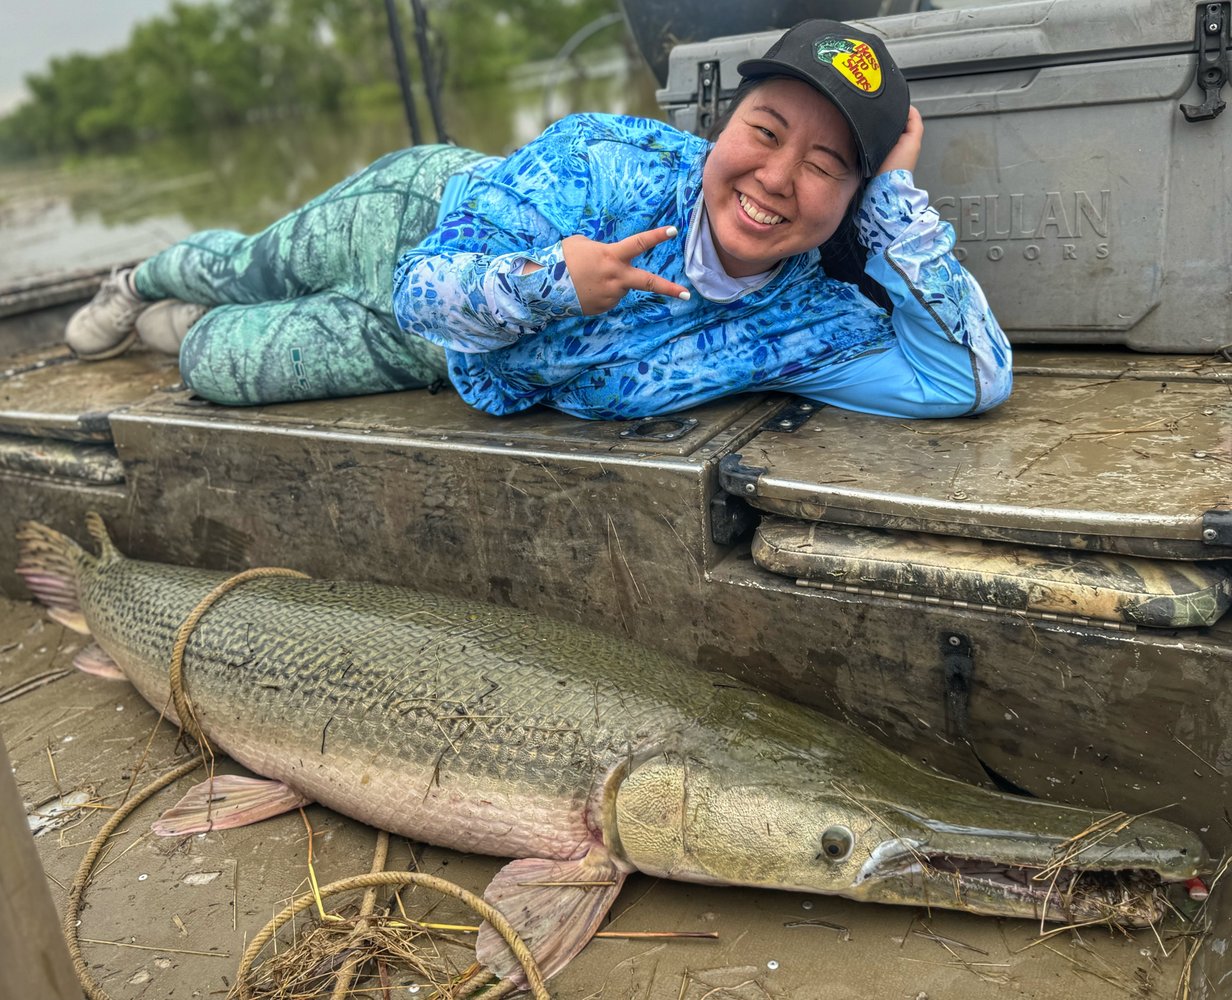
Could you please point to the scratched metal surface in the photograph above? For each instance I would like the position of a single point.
(1113, 464)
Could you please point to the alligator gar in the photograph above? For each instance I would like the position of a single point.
(582, 756)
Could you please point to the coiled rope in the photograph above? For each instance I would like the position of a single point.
(190, 725)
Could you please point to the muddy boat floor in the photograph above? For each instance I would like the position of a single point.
(171, 917)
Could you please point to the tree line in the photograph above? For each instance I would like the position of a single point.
(227, 62)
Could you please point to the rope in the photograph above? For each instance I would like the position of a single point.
(347, 973)
(183, 708)
(189, 724)
(534, 977)
(76, 893)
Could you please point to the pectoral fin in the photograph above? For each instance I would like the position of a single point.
(97, 661)
(227, 801)
(554, 919)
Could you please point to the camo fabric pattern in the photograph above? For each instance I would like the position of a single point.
(514, 340)
(1160, 593)
(303, 309)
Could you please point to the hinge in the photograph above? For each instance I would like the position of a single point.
(1211, 39)
(792, 417)
(707, 95)
(738, 478)
(731, 519)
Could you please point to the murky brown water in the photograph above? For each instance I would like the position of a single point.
(104, 210)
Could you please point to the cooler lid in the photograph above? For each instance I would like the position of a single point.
(1137, 466)
(975, 39)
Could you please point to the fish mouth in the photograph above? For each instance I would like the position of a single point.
(908, 872)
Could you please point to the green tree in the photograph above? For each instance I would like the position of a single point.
(225, 62)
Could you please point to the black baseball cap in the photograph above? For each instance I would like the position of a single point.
(854, 70)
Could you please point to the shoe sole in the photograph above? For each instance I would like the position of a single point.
(129, 339)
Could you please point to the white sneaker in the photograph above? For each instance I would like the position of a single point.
(105, 326)
(164, 325)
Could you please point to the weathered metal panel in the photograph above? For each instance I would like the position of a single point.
(51, 395)
(444, 417)
(606, 537)
(1128, 465)
(561, 517)
(58, 502)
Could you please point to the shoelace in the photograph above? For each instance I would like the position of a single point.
(114, 290)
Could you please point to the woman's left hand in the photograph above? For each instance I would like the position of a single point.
(907, 150)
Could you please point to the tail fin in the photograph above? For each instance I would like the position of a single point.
(51, 564)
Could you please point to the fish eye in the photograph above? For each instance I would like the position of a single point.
(837, 843)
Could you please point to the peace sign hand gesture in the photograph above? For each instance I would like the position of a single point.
(603, 272)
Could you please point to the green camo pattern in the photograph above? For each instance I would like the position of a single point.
(303, 309)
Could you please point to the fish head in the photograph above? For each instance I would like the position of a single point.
(682, 817)
(914, 838)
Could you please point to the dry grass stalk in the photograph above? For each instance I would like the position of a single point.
(1119, 983)
(309, 968)
(1202, 929)
(1068, 856)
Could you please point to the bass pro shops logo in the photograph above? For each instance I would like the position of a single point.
(855, 60)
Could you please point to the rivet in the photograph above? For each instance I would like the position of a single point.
(955, 641)
(1209, 534)
(142, 878)
(772, 965)
(750, 487)
(785, 423)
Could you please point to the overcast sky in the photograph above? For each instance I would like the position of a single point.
(32, 31)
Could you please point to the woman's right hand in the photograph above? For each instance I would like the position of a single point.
(906, 151)
(603, 272)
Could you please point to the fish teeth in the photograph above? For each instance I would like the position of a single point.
(757, 215)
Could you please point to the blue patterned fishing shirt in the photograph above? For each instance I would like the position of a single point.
(513, 339)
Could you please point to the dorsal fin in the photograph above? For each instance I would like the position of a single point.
(98, 531)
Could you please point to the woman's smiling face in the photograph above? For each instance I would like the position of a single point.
(780, 176)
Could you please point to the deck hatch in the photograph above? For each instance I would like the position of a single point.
(1136, 466)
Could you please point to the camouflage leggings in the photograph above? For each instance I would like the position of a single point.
(303, 309)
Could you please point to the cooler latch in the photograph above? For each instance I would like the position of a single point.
(707, 95)
(1211, 38)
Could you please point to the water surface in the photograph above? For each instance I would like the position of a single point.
(98, 211)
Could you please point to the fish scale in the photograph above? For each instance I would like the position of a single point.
(434, 720)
